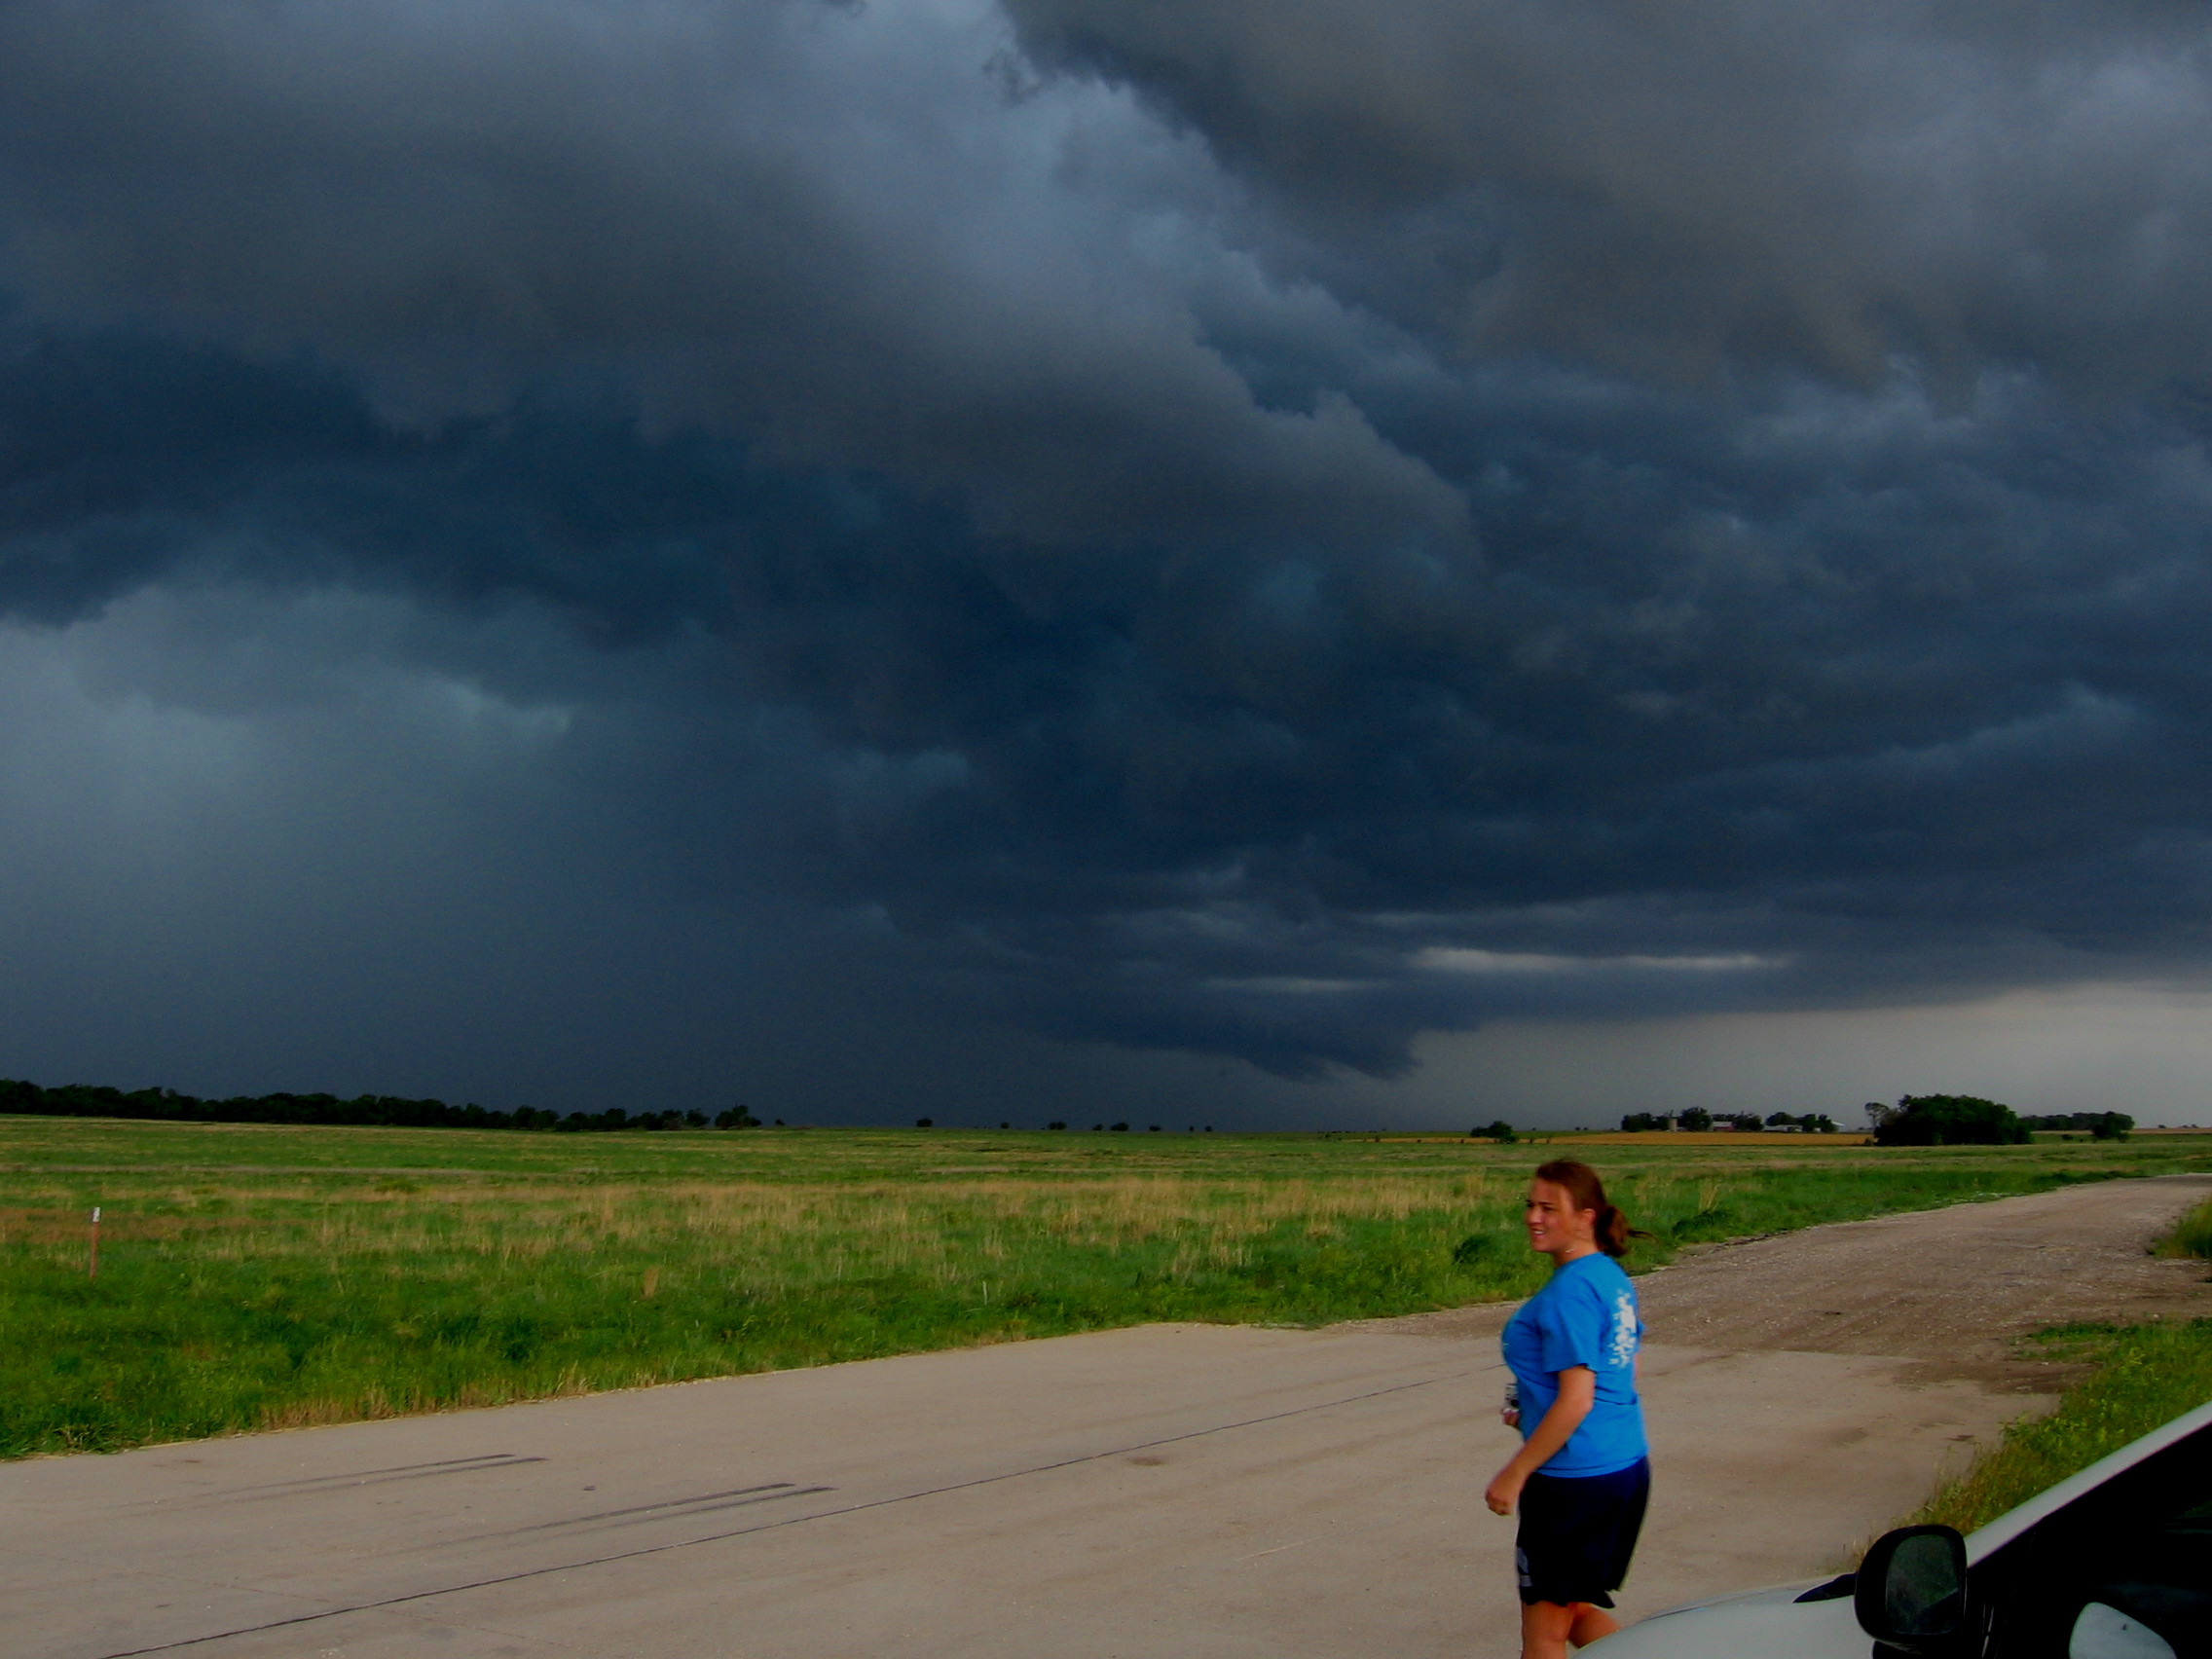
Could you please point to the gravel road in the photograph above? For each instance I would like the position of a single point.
(1952, 1288)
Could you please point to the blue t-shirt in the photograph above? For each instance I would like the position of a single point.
(1584, 1315)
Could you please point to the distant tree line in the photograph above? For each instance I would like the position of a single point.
(1916, 1120)
(1746, 1123)
(2104, 1125)
(386, 1111)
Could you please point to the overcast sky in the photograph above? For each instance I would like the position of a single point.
(1266, 562)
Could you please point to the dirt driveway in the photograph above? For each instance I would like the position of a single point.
(1952, 1288)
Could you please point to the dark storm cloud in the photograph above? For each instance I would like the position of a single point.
(821, 228)
(1110, 579)
(1699, 185)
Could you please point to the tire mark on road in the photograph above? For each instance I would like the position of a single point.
(525, 1574)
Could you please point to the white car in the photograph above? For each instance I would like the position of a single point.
(2113, 1564)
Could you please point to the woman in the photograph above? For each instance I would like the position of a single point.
(1580, 1477)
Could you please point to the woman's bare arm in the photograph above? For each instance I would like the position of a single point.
(1577, 1393)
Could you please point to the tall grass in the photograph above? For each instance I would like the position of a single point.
(2194, 1237)
(256, 1276)
(245, 1304)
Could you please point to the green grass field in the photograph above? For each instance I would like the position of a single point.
(256, 1276)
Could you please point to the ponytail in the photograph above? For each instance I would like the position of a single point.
(1588, 1192)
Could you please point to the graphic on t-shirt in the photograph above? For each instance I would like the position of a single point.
(1622, 1343)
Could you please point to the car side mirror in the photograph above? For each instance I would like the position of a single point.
(1911, 1590)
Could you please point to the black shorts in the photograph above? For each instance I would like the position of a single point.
(1576, 1534)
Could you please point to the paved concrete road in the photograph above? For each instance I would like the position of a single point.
(1171, 1491)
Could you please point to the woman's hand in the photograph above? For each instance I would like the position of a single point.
(1504, 1489)
(1577, 1392)
(1510, 1416)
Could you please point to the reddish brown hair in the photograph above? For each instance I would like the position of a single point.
(1587, 1193)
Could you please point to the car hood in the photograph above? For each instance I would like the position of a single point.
(1757, 1624)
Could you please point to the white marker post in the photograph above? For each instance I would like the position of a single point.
(93, 1268)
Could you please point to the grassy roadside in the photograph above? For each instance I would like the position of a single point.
(2146, 1375)
(2192, 1236)
(258, 1277)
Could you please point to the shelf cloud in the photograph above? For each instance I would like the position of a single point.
(717, 531)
